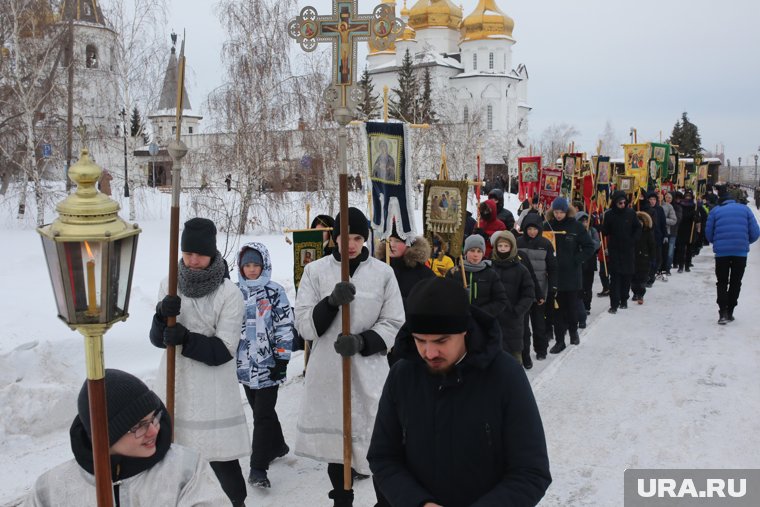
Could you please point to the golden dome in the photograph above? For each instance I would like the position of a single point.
(430, 13)
(486, 21)
(409, 34)
(404, 10)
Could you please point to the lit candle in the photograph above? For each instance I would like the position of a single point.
(92, 307)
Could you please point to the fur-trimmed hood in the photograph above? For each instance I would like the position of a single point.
(549, 214)
(417, 253)
(645, 219)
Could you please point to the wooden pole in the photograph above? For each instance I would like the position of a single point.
(96, 394)
(177, 150)
(345, 309)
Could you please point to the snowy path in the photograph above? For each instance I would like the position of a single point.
(659, 385)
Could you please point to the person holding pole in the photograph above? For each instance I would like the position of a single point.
(377, 314)
(209, 311)
(146, 468)
(457, 424)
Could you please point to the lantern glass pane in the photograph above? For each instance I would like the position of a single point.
(56, 275)
(83, 262)
(120, 266)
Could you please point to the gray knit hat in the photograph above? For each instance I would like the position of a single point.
(474, 241)
(128, 400)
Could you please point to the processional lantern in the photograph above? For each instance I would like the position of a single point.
(90, 255)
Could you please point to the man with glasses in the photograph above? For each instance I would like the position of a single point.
(621, 229)
(146, 468)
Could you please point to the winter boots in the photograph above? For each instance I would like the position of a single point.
(574, 338)
(258, 478)
(603, 294)
(342, 498)
(726, 316)
(557, 348)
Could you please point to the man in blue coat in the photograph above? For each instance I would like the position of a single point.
(731, 228)
(457, 423)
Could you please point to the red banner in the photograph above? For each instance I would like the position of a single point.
(551, 181)
(529, 177)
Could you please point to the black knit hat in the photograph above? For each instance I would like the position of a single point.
(437, 306)
(199, 236)
(357, 224)
(323, 220)
(128, 400)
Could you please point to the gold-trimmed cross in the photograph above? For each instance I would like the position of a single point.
(344, 28)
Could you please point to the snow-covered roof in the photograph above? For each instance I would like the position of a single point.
(186, 113)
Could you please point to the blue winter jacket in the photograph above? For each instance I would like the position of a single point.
(731, 228)
(267, 333)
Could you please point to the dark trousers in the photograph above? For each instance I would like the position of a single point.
(566, 316)
(729, 272)
(639, 286)
(267, 438)
(587, 293)
(656, 261)
(536, 316)
(682, 256)
(604, 276)
(620, 286)
(231, 478)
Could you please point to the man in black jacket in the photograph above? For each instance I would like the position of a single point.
(457, 423)
(621, 230)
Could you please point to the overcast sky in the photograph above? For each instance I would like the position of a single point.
(635, 63)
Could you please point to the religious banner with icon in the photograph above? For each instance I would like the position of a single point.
(551, 181)
(307, 247)
(681, 173)
(571, 170)
(529, 177)
(603, 173)
(391, 186)
(444, 212)
(661, 155)
(703, 171)
(636, 159)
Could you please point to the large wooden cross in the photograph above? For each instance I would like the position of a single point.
(344, 28)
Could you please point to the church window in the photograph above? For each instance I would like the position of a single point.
(91, 56)
(490, 60)
(466, 116)
(87, 9)
(474, 61)
(174, 129)
(189, 130)
(490, 117)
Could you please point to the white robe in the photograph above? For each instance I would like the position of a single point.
(377, 306)
(182, 478)
(208, 407)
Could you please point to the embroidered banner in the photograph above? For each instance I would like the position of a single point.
(444, 212)
(571, 170)
(388, 150)
(636, 159)
(307, 247)
(529, 177)
(661, 156)
(551, 180)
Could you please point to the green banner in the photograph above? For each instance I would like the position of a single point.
(307, 247)
(661, 155)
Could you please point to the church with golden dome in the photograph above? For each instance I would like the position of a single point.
(470, 61)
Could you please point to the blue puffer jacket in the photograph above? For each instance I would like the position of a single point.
(731, 228)
(267, 334)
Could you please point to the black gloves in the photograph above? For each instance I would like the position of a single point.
(348, 345)
(169, 306)
(176, 335)
(279, 370)
(342, 294)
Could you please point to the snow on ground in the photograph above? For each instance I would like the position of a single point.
(655, 386)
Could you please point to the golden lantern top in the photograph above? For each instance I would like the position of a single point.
(435, 13)
(88, 214)
(404, 10)
(486, 21)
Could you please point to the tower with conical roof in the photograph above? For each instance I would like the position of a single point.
(164, 118)
(96, 82)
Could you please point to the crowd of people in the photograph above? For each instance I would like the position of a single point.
(433, 336)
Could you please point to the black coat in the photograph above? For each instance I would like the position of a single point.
(621, 231)
(685, 234)
(659, 227)
(521, 293)
(541, 254)
(473, 436)
(485, 288)
(645, 250)
(409, 268)
(574, 246)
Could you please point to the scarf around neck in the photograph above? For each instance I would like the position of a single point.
(474, 268)
(198, 283)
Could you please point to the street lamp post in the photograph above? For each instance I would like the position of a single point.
(123, 115)
(756, 157)
(90, 254)
(739, 168)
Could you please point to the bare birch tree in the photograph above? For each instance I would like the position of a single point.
(32, 52)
